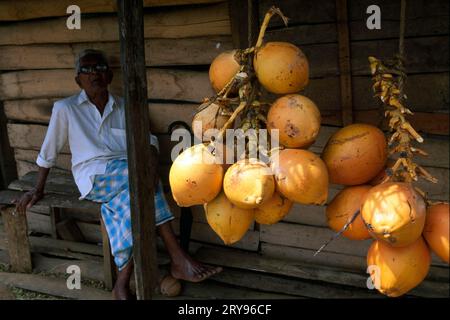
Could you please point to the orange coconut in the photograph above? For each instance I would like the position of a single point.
(227, 220)
(195, 177)
(355, 154)
(342, 208)
(281, 67)
(394, 212)
(273, 210)
(436, 230)
(300, 176)
(395, 271)
(223, 69)
(213, 116)
(297, 118)
(248, 184)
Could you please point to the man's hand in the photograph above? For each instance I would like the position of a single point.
(27, 200)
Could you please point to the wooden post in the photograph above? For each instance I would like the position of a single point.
(8, 170)
(244, 17)
(18, 245)
(142, 160)
(345, 69)
(109, 270)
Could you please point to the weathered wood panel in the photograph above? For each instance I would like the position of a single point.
(432, 123)
(23, 167)
(254, 262)
(64, 161)
(30, 137)
(338, 260)
(427, 54)
(391, 9)
(311, 237)
(203, 232)
(426, 93)
(193, 86)
(304, 34)
(158, 52)
(418, 27)
(168, 84)
(31, 9)
(300, 12)
(179, 23)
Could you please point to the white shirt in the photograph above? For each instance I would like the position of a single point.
(93, 139)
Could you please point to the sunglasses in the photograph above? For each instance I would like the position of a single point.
(95, 68)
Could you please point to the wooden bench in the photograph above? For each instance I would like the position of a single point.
(61, 194)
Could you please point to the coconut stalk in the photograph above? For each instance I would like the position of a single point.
(389, 82)
(246, 82)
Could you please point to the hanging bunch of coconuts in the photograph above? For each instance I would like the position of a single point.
(380, 200)
(237, 187)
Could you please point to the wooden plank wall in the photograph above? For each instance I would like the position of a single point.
(36, 61)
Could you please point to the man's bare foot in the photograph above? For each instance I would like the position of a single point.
(190, 270)
(121, 292)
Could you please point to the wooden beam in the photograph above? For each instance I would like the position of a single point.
(190, 21)
(31, 9)
(142, 158)
(17, 236)
(109, 270)
(8, 170)
(244, 19)
(345, 68)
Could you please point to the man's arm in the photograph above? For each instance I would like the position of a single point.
(55, 139)
(29, 198)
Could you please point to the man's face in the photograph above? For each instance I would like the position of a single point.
(94, 75)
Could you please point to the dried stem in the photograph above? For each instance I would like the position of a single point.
(272, 11)
(337, 234)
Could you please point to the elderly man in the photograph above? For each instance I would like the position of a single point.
(93, 122)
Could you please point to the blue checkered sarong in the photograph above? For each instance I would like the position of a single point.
(112, 190)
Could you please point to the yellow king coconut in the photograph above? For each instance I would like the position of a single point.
(227, 220)
(281, 67)
(213, 116)
(195, 176)
(395, 271)
(436, 230)
(300, 176)
(248, 183)
(223, 68)
(297, 118)
(273, 210)
(355, 154)
(394, 212)
(342, 208)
